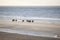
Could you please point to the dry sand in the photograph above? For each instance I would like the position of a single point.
(25, 26)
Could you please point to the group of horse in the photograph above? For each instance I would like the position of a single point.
(23, 20)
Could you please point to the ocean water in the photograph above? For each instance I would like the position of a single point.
(39, 14)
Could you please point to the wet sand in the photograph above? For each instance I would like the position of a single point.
(25, 26)
(9, 36)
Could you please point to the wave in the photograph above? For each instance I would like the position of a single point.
(33, 18)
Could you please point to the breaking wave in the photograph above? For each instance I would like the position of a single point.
(23, 17)
(36, 19)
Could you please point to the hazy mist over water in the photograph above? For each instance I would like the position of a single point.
(7, 13)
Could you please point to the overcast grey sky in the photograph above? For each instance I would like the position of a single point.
(29, 2)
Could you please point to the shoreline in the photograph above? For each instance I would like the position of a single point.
(14, 36)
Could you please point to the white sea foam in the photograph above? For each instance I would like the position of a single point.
(36, 19)
(33, 18)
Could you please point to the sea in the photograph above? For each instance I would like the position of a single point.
(48, 14)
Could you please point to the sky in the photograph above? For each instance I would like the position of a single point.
(29, 2)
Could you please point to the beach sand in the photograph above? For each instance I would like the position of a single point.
(25, 26)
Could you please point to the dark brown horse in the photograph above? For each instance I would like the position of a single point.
(22, 20)
(29, 20)
(14, 19)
